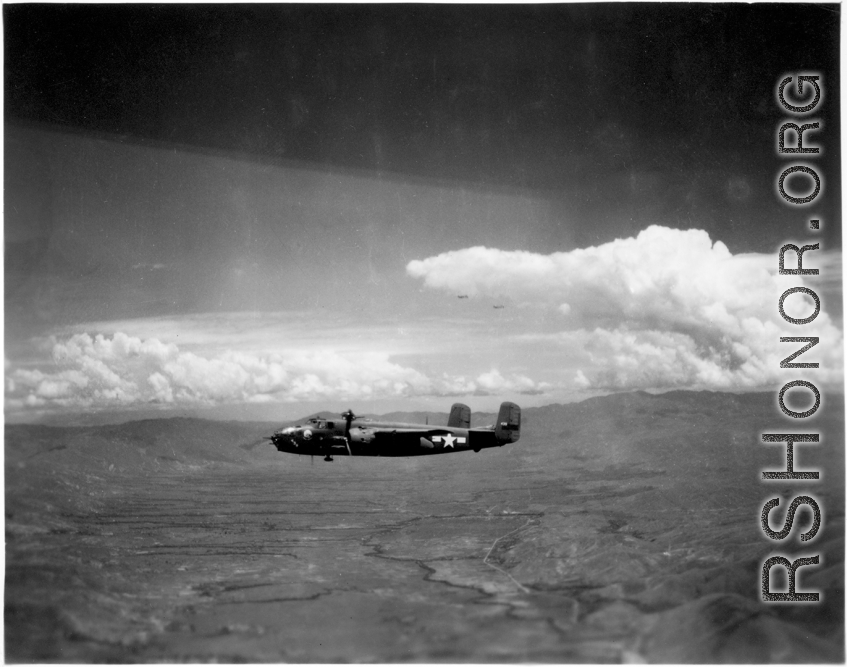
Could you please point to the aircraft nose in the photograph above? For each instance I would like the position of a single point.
(284, 436)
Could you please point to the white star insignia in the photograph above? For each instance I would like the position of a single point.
(449, 439)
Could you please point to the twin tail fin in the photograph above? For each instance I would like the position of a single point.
(460, 416)
(506, 429)
(508, 426)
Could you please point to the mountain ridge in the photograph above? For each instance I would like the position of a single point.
(83, 419)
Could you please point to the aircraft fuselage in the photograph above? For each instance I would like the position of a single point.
(378, 438)
(356, 436)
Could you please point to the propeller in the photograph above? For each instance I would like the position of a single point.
(348, 419)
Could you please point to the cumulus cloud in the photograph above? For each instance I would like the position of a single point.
(668, 308)
(122, 370)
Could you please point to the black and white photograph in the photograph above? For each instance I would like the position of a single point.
(423, 333)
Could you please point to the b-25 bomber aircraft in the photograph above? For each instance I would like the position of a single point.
(360, 436)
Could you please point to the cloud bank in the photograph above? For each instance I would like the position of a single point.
(666, 309)
(122, 370)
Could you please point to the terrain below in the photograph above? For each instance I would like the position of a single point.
(620, 529)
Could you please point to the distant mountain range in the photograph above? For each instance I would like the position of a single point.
(679, 431)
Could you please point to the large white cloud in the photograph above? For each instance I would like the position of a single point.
(667, 308)
(122, 370)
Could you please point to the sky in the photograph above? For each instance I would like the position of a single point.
(258, 212)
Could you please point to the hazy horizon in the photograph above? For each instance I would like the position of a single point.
(292, 412)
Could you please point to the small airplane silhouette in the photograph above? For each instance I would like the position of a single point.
(463, 296)
(499, 306)
(358, 436)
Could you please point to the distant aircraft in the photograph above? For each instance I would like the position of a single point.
(463, 296)
(499, 306)
(359, 436)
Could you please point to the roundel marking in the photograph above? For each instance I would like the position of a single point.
(307, 434)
